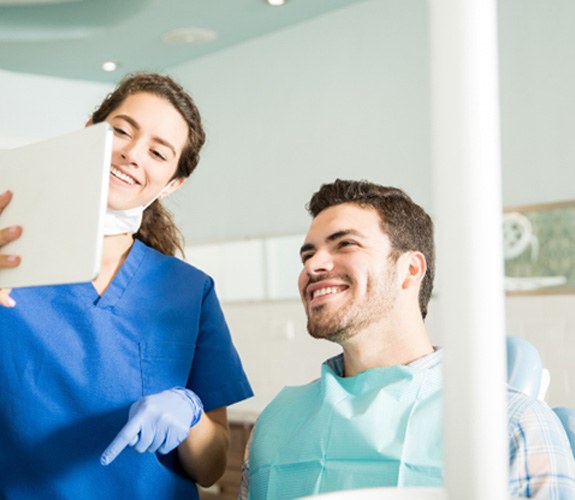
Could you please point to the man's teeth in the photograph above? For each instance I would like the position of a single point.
(121, 175)
(325, 291)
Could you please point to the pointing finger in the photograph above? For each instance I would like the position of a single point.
(127, 436)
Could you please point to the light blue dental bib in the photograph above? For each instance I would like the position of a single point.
(379, 428)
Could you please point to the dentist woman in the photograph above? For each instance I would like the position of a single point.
(140, 359)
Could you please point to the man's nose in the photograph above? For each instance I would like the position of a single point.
(320, 262)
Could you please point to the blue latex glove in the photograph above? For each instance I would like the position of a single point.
(158, 422)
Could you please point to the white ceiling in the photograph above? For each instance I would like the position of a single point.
(73, 38)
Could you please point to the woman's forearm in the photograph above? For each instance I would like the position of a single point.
(203, 454)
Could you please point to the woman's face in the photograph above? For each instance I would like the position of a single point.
(149, 136)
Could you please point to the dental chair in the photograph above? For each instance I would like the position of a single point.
(525, 370)
(525, 373)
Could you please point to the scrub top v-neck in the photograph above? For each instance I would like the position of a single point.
(72, 362)
(119, 283)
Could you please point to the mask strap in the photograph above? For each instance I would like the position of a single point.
(159, 195)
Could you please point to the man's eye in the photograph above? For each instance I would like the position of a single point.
(305, 257)
(346, 243)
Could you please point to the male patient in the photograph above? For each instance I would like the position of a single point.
(374, 418)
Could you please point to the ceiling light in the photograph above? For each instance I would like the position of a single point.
(109, 66)
(276, 3)
(189, 35)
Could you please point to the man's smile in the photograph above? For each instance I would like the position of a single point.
(315, 291)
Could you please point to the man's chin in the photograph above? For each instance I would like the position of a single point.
(331, 333)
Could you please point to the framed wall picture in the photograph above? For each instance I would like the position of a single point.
(539, 248)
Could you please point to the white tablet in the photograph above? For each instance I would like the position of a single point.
(60, 193)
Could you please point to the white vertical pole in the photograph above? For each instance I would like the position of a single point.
(467, 210)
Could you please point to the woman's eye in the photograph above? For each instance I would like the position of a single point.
(158, 155)
(120, 131)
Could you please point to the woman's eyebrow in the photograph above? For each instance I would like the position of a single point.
(163, 142)
(130, 120)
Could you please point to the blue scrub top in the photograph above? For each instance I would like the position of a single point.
(72, 363)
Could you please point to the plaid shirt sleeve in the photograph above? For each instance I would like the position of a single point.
(540, 457)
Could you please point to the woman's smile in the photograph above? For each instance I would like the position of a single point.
(122, 176)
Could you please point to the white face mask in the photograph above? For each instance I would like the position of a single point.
(127, 221)
(122, 221)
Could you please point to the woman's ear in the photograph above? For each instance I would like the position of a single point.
(89, 122)
(416, 266)
(172, 186)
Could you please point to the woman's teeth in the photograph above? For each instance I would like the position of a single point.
(122, 176)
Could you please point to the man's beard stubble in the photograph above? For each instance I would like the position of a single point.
(353, 317)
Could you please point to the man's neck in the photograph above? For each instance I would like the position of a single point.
(377, 349)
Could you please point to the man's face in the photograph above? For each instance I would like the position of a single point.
(348, 281)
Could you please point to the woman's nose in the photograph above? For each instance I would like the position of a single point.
(130, 153)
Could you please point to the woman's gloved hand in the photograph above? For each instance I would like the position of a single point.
(158, 422)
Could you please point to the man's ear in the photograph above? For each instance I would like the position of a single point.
(415, 268)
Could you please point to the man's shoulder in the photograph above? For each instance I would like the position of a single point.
(521, 407)
(291, 395)
(285, 413)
